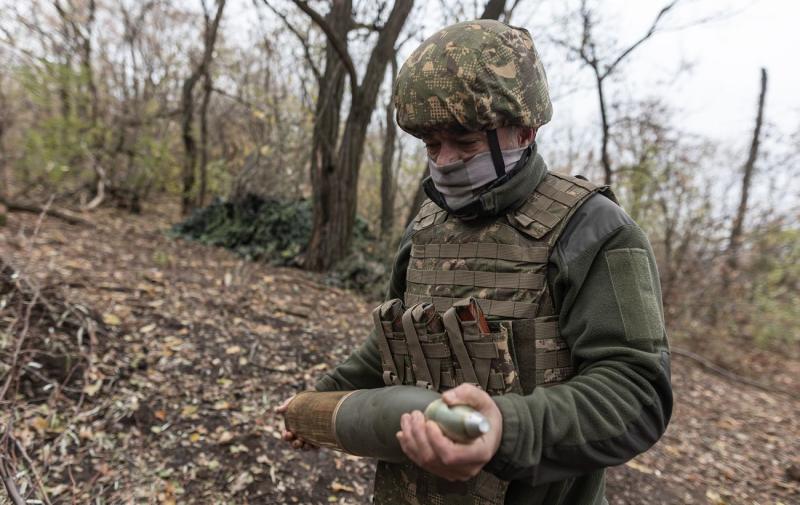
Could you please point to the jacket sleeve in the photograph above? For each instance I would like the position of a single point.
(362, 369)
(608, 298)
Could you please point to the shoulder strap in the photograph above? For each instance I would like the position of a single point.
(427, 215)
(551, 204)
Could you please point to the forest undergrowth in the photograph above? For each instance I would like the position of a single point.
(140, 368)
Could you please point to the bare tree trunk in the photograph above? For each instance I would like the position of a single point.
(604, 129)
(334, 216)
(207, 89)
(326, 128)
(187, 107)
(735, 241)
(387, 164)
(5, 123)
(493, 9)
(189, 144)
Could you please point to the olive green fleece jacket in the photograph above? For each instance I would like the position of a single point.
(558, 440)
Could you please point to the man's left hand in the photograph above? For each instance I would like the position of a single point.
(425, 444)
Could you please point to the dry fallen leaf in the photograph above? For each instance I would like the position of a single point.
(337, 487)
(92, 389)
(39, 424)
(189, 411)
(640, 467)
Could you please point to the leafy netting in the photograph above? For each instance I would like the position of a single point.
(257, 228)
(277, 231)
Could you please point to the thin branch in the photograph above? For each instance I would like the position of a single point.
(373, 27)
(650, 31)
(749, 167)
(300, 37)
(732, 376)
(36, 476)
(338, 45)
(8, 483)
(510, 11)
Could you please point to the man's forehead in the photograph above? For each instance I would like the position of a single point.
(452, 134)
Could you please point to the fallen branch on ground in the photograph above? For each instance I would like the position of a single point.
(730, 375)
(35, 209)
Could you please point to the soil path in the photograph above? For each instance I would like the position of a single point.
(201, 345)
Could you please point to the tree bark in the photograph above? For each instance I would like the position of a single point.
(326, 132)
(188, 175)
(387, 164)
(493, 9)
(737, 229)
(604, 130)
(335, 213)
(207, 89)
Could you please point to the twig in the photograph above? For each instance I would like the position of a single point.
(5, 473)
(13, 372)
(730, 375)
(35, 472)
(8, 483)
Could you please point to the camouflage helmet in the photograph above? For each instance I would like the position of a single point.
(476, 75)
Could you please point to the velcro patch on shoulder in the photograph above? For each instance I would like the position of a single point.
(635, 293)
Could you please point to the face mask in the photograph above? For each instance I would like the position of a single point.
(460, 181)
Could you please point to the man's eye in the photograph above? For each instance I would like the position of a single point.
(467, 143)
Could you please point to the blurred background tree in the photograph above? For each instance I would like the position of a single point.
(278, 114)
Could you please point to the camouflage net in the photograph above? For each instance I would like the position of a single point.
(277, 231)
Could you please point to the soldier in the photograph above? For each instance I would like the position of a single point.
(550, 258)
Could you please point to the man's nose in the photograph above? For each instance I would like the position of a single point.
(447, 154)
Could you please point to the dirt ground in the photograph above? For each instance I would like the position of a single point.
(195, 347)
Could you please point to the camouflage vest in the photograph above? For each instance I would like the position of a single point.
(501, 262)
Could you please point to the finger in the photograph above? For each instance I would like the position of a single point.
(406, 438)
(403, 441)
(283, 407)
(467, 394)
(420, 434)
(455, 454)
(408, 445)
(288, 436)
(445, 448)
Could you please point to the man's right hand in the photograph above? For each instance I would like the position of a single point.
(297, 442)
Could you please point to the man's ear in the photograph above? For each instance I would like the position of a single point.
(525, 136)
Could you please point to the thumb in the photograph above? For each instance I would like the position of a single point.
(467, 394)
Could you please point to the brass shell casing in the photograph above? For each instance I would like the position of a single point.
(310, 416)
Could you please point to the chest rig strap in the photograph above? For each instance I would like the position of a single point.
(420, 365)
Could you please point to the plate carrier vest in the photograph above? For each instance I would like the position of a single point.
(502, 263)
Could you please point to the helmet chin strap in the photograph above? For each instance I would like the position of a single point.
(497, 156)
